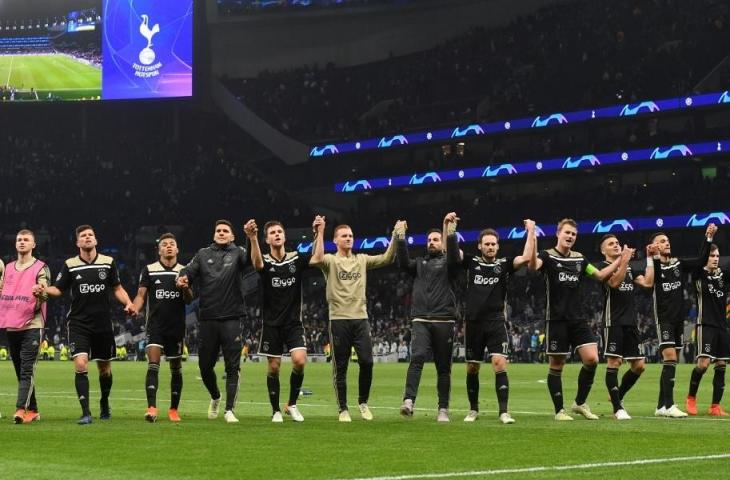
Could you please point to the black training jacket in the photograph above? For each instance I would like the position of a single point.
(218, 272)
(433, 296)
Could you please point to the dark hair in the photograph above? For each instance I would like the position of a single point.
(82, 228)
(606, 237)
(656, 234)
(224, 222)
(713, 247)
(272, 223)
(25, 231)
(485, 232)
(166, 236)
(434, 230)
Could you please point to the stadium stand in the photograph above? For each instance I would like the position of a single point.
(608, 52)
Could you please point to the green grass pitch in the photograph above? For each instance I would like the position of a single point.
(536, 447)
(64, 77)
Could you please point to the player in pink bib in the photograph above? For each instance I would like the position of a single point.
(23, 314)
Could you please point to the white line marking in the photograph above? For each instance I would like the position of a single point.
(555, 468)
(10, 70)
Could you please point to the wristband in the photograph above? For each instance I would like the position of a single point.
(649, 262)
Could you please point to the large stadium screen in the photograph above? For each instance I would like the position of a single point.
(54, 50)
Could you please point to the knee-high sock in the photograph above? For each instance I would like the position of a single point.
(295, 385)
(668, 373)
(274, 387)
(82, 391)
(105, 385)
(718, 384)
(151, 383)
(585, 382)
(694, 381)
(555, 387)
(501, 385)
(627, 381)
(472, 390)
(613, 389)
(176, 386)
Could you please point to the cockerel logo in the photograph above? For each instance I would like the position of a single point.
(147, 55)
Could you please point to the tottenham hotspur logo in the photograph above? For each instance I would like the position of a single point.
(147, 56)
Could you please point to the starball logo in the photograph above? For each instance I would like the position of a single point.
(323, 150)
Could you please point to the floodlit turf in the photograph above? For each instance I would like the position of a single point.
(321, 448)
(64, 77)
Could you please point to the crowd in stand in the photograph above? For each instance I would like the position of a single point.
(389, 301)
(238, 7)
(115, 173)
(57, 180)
(608, 52)
(684, 193)
(139, 174)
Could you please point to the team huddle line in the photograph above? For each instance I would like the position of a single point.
(166, 286)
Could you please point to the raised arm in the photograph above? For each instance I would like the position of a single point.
(402, 257)
(534, 263)
(647, 279)
(454, 255)
(318, 227)
(530, 248)
(617, 277)
(700, 261)
(251, 230)
(385, 259)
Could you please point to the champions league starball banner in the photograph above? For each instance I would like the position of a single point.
(147, 48)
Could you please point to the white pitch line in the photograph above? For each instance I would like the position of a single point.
(10, 70)
(555, 468)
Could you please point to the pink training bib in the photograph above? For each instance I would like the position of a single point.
(17, 303)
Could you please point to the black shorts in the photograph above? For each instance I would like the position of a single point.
(490, 335)
(670, 335)
(170, 341)
(622, 341)
(83, 340)
(275, 338)
(713, 342)
(564, 336)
